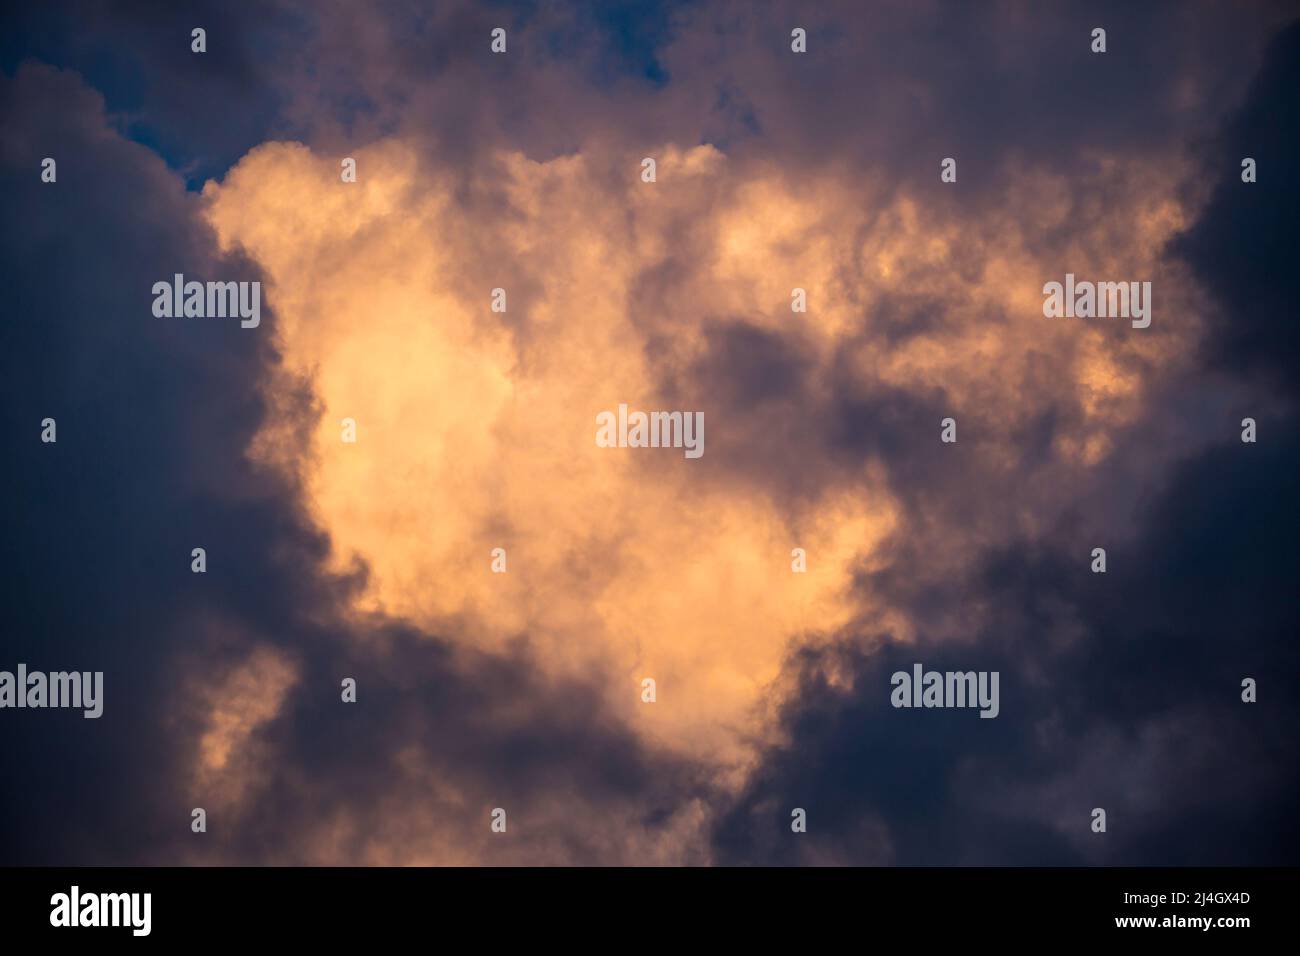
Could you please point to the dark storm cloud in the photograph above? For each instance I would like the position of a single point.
(798, 427)
(907, 84)
(152, 418)
(200, 112)
(437, 740)
(1119, 691)
(337, 72)
(1246, 237)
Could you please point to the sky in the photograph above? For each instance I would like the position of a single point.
(373, 560)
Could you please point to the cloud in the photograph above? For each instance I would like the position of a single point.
(1127, 685)
(1242, 241)
(475, 430)
(152, 422)
(222, 689)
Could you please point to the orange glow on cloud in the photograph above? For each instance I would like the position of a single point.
(476, 430)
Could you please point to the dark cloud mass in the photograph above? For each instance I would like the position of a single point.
(1118, 690)
(1243, 244)
(1132, 677)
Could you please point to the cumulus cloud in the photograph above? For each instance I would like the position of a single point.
(475, 430)
(223, 688)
